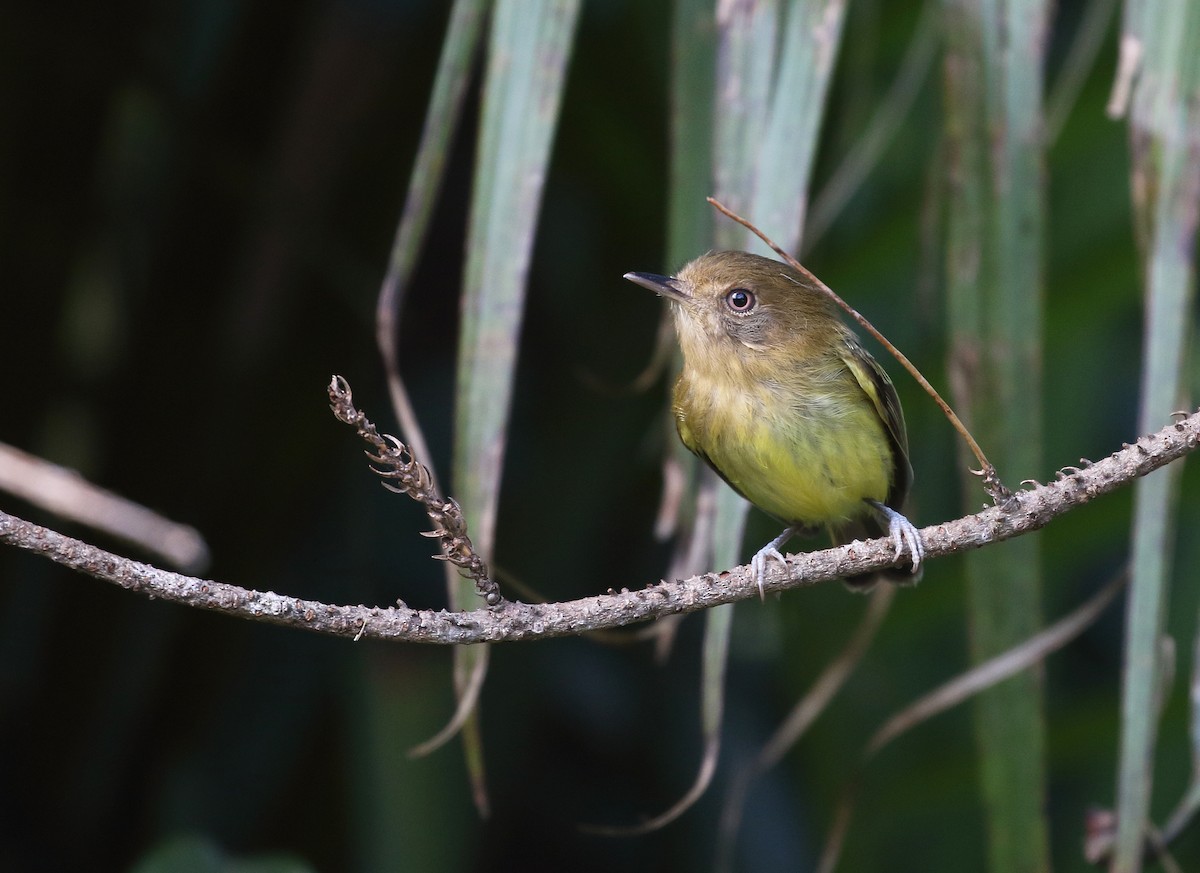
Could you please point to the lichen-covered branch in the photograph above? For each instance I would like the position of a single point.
(1025, 511)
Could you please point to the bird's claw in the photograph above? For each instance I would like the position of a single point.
(904, 534)
(758, 565)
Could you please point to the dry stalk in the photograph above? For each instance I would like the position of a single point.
(394, 462)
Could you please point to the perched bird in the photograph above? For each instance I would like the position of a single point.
(780, 398)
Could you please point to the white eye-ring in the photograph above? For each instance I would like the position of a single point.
(740, 300)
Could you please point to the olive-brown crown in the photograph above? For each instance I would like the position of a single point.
(749, 301)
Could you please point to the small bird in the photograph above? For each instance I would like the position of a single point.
(779, 397)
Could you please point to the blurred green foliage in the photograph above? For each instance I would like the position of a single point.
(196, 207)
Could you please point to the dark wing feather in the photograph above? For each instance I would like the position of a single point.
(876, 384)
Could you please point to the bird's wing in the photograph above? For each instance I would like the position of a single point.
(876, 384)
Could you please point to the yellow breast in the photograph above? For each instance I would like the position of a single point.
(808, 450)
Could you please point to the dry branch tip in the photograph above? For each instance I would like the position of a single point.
(401, 472)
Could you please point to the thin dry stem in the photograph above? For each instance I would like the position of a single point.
(961, 688)
(987, 473)
(708, 766)
(468, 699)
(70, 496)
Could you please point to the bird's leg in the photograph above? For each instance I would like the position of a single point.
(903, 533)
(758, 564)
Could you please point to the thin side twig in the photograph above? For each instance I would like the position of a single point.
(404, 474)
(70, 496)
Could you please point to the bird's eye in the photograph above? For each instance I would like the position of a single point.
(740, 300)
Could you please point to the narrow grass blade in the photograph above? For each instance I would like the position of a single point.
(1089, 37)
(766, 116)
(994, 69)
(693, 68)
(868, 148)
(762, 113)
(441, 120)
(811, 39)
(689, 232)
(746, 40)
(767, 121)
(1165, 138)
(770, 109)
(526, 74)
(798, 721)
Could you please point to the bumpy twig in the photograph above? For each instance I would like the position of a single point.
(1029, 510)
(404, 474)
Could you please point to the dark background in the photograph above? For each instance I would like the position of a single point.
(196, 205)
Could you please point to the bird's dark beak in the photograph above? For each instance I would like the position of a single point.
(664, 286)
